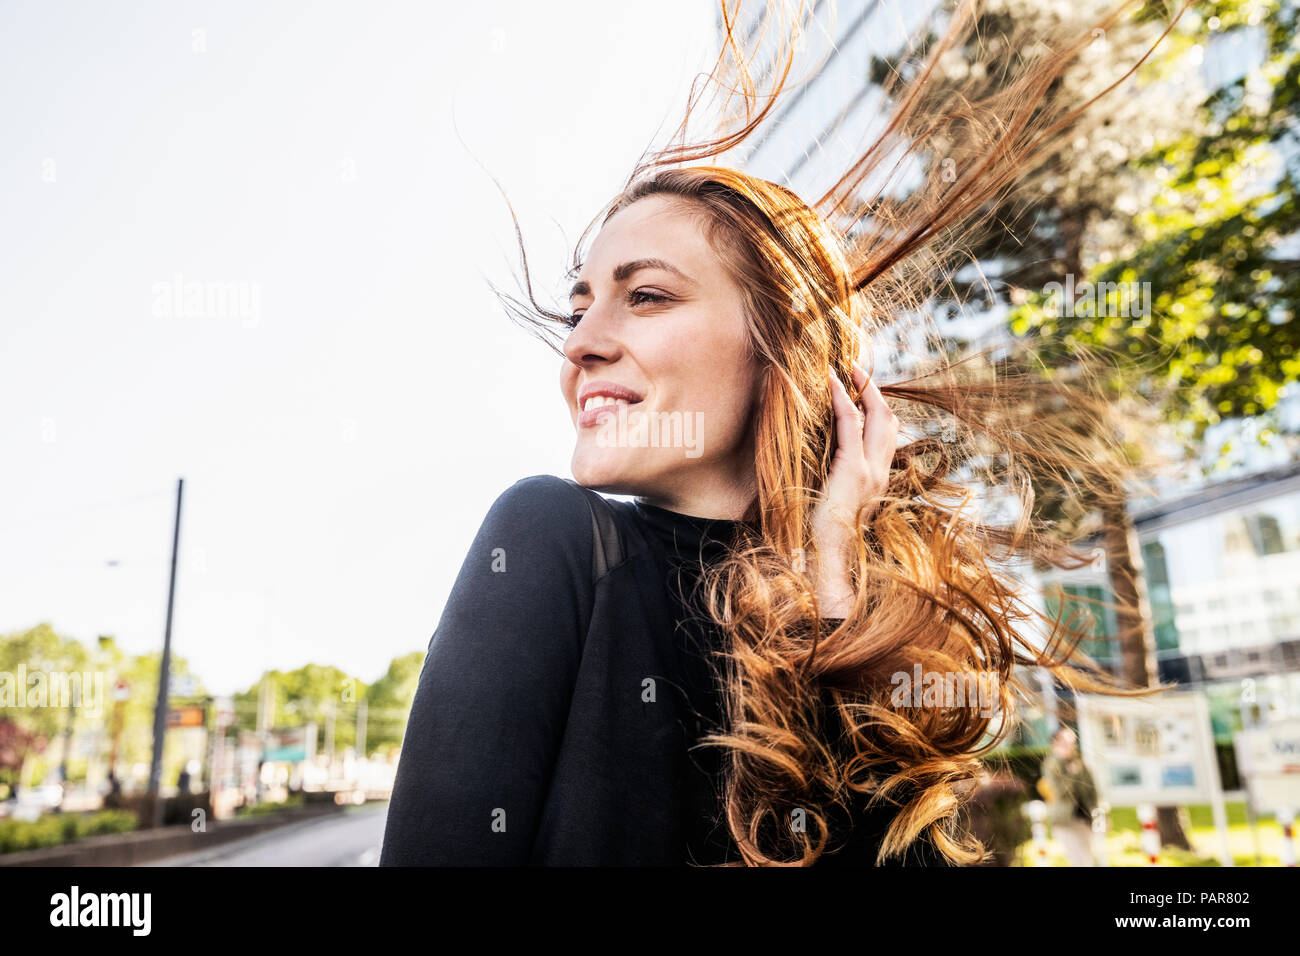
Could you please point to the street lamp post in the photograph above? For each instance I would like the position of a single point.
(164, 673)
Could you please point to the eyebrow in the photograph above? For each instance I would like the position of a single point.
(627, 269)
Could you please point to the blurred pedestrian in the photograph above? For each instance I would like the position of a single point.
(1071, 795)
(113, 798)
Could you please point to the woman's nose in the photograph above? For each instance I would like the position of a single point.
(591, 341)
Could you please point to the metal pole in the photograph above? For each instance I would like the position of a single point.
(361, 730)
(164, 675)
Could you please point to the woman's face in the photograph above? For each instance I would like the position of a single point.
(1064, 746)
(661, 339)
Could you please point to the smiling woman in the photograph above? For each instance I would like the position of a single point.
(709, 678)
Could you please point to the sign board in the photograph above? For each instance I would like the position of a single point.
(182, 685)
(293, 745)
(1156, 750)
(185, 717)
(1269, 760)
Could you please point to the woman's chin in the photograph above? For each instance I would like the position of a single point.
(592, 470)
(601, 468)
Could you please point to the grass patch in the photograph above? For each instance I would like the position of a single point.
(1124, 848)
(263, 808)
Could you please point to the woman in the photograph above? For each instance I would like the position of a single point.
(743, 683)
(1071, 796)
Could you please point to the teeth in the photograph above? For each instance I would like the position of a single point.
(596, 401)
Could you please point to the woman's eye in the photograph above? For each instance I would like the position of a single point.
(634, 297)
(641, 296)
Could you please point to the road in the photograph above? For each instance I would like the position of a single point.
(351, 838)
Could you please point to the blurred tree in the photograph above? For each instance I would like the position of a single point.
(317, 693)
(390, 701)
(33, 667)
(1214, 336)
(1218, 234)
(1079, 206)
(313, 693)
(41, 649)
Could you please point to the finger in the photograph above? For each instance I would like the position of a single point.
(880, 437)
(859, 382)
(874, 401)
(844, 405)
(848, 416)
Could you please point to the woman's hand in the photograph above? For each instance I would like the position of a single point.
(866, 435)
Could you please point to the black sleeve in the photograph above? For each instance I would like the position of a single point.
(494, 693)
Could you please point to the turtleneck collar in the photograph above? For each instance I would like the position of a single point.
(690, 536)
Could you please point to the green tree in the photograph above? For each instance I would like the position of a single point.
(1214, 336)
(31, 663)
(1217, 238)
(313, 693)
(42, 650)
(1078, 206)
(390, 700)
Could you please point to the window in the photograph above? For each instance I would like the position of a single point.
(1236, 537)
(1162, 605)
(1083, 612)
(1265, 533)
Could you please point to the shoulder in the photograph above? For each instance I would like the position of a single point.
(544, 506)
(542, 526)
(559, 522)
(549, 489)
(527, 571)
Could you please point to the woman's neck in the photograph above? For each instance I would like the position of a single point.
(703, 499)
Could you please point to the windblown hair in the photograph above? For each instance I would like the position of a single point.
(814, 718)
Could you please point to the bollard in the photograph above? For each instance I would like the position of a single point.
(1150, 835)
(1286, 820)
(1037, 812)
(1100, 830)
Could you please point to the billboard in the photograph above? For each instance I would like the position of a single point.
(1156, 750)
(1269, 760)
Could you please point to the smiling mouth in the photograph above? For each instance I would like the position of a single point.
(595, 408)
(602, 401)
(599, 398)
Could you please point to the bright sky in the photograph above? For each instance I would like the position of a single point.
(343, 428)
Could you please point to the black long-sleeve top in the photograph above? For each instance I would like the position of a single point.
(556, 718)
